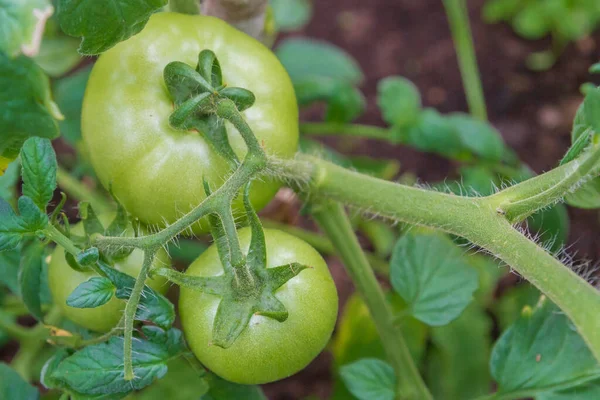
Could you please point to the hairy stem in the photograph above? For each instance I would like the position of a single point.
(458, 18)
(475, 219)
(246, 15)
(333, 220)
(522, 200)
(332, 128)
(131, 309)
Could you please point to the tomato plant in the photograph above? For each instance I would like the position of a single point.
(187, 124)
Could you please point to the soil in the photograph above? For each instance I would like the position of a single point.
(532, 110)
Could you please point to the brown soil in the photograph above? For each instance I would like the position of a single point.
(532, 110)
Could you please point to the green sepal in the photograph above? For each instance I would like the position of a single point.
(278, 276)
(215, 133)
(578, 146)
(194, 99)
(184, 82)
(257, 253)
(270, 306)
(216, 285)
(242, 98)
(91, 223)
(230, 321)
(179, 118)
(209, 68)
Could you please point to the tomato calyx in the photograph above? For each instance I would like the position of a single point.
(196, 94)
(245, 290)
(252, 286)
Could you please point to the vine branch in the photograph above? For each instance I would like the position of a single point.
(246, 15)
(333, 220)
(476, 219)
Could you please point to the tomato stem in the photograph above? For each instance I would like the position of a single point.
(458, 17)
(131, 309)
(476, 219)
(333, 220)
(334, 128)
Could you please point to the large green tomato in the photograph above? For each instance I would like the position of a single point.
(63, 280)
(156, 171)
(267, 350)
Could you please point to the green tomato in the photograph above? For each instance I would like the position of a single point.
(63, 279)
(267, 350)
(156, 171)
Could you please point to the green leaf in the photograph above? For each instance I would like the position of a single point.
(345, 103)
(587, 196)
(22, 24)
(92, 293)
(104, 24)
(508, 308)
(432, 133)
(591, 106)
(171, 340)
(58, 55)
(595, 69)
(98, 369)
(68, 93)
(153, 306)
(531, 22)
(33, 218)
(348, 346)
(577, 147)
(11, 227)
(50, 382)
(369, 379)
(590, 391)
(580, 123)
(9, 270)
(457, 366)
(304, 58)
(13, 387)
(500, 10)
(38, 162)
(399, 100)
(477, 136)
(8, 182)
(30, 277)
(182, 382)
(433, 276)
(291, 15)
(541, 352)
(220, 389)
(27, 107)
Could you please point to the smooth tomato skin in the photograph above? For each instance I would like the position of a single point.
(63, 280)
(266, 350)
(156, 171)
